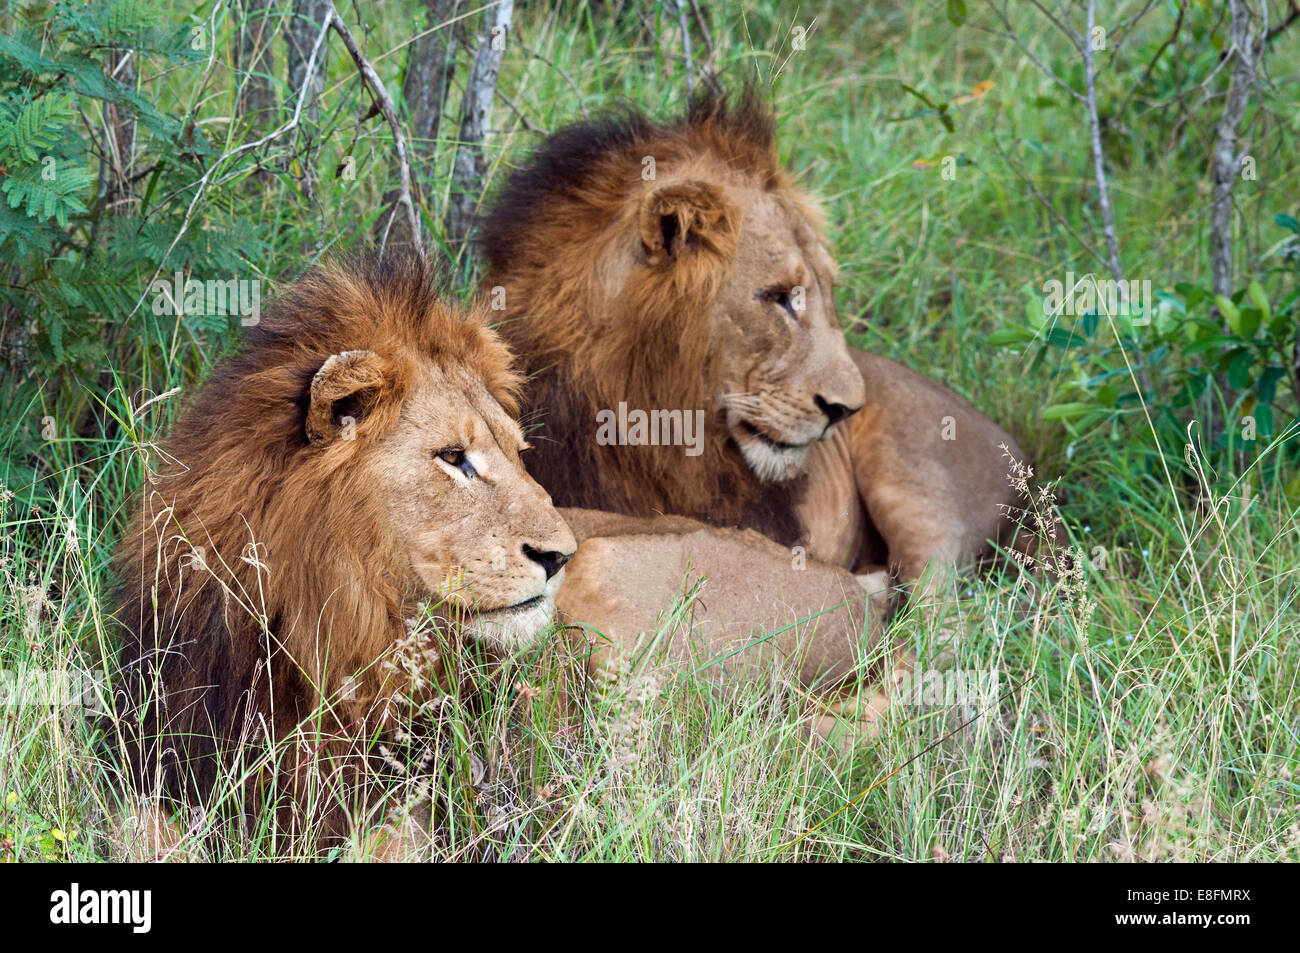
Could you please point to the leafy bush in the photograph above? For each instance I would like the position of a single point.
(80, 248)
(1190, 355)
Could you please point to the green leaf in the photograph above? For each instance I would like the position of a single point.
(1287, 221)
(1239, 376)
(956, 12)
(1230, 313)
(1012, 335)
(1174, 301)
(1249, 323)
(1190, 392)
(1070, 411)
(1193, 294)
(47, 198)
(1266, 386)
(1256, 292)
(1088, 324)
(1263, 415)
(919, 95)
(1034, 315)
(55, 331)
(1280, 324)
(26, 58)
(1059, 337)
(1131, 398)
(1207, 343)
(37, 127)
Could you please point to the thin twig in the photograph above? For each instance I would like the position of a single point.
(1016, 167)
(290, 124)
(527, 123)
(1146, 74)
(537, 55)
(1010, 34)
(682, 23)
(1098, 157)
(385, 103)
(1285, 25)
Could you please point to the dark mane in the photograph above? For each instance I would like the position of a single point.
(571, 165)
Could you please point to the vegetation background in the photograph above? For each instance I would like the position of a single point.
(1150, 706)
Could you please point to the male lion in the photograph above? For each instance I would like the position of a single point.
(358, 456)
(650, 268)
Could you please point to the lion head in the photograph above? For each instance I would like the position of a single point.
(671, 267)
(357, 457)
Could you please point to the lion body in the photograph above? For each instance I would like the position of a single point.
(716, 600)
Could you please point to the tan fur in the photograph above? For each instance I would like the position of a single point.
(729, 604)
(147, 835)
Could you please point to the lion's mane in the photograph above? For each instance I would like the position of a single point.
(550, 238)
(255, 576)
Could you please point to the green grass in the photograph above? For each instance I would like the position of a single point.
(1149, 711)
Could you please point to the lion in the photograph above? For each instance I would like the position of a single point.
(358, 456)
(658, 269)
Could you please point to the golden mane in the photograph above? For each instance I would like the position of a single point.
(255, 576)
(556, 236)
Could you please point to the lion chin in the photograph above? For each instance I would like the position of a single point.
(771, 460)
(519, 627)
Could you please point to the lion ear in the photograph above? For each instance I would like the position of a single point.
(343, 393)
(684, 217)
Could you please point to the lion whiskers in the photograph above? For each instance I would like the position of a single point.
(768, 462)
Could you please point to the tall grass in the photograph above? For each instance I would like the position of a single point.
(1147, 710)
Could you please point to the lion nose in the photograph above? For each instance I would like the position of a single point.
(550, 560)
(834, 412)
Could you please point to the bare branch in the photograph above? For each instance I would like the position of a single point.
(1018, 167)
(480, 91)
(430, 61)
(331, 20)
(385, 104)
(577, 90)
(1098, 157)
(1151, 65)
(1246, 47)
(1292, 15)
(519, 113)
(704, 32)
(1010, 34)
(678, 7)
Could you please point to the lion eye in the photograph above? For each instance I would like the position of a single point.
(779, 297)
(455, 457)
